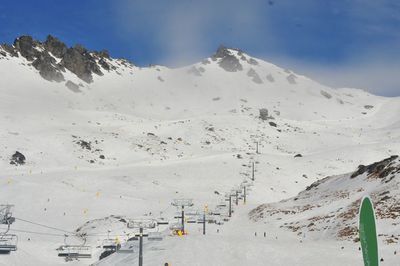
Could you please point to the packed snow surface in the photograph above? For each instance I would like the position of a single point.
(129, 143)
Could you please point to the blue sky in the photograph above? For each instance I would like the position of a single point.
(337, 42)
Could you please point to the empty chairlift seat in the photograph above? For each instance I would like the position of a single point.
(8, 243)
(74, 252)
(155, 236)
(111, 244)
(176, 226)
(162, 221)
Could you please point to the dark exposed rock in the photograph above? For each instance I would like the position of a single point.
(252, 61)
(291, 79)
(102, 54)
(26, 46)
(221, 52)
(85, 144)
(72, 86)
(10, 49)
(326, 95)
(230, 63)
(255, 77)
(264, 114)
(193, 70)
(368, 107)
(102, 156)
(298, 155)
(17, 158)
(378, 170)
(272, 124)
(104, 64)
(55, 46)
(79, 61)
(270, 78)
(227, 61)
(47, 67)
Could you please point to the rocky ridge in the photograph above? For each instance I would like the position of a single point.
(52, 57)
(342, 194)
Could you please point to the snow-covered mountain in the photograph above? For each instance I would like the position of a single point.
(101, 140)
(329, 207)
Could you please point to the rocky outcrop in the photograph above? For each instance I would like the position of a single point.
(227, 60)
(79, 61)
(329, 207)
(48, 67)
(270, 78)
(72, 86)
(52, 57)
(291, 79)
(17, 158)
(10, 50)
(194, 71)
(255, 77)
(55, 46)
(326, 95)
(264, 114)
(27, 47)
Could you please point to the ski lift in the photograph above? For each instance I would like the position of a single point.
(175, 226)
(191, 220)
(155, 236)
(142, 223)
(6, 214)
(8, 243)
(110, 244)
(71, 252)
(221, 205)
(127, 248)
(162, 221)
(182, 202)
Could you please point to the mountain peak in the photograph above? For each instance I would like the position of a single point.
(230, 58)
(52, 57)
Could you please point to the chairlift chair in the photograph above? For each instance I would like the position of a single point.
(127, 248)
(191, 220)
(110, 244)
(8, 243)
(70, 252)
(162, 221)
(155, 236)
(175, 226)
(144, 223)
(221, 205)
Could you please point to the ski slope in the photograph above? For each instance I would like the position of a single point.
(179, 133)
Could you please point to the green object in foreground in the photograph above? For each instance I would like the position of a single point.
(367, 228)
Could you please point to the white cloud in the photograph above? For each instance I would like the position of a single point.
(186, 31)
(373, 73)
(182, 30)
